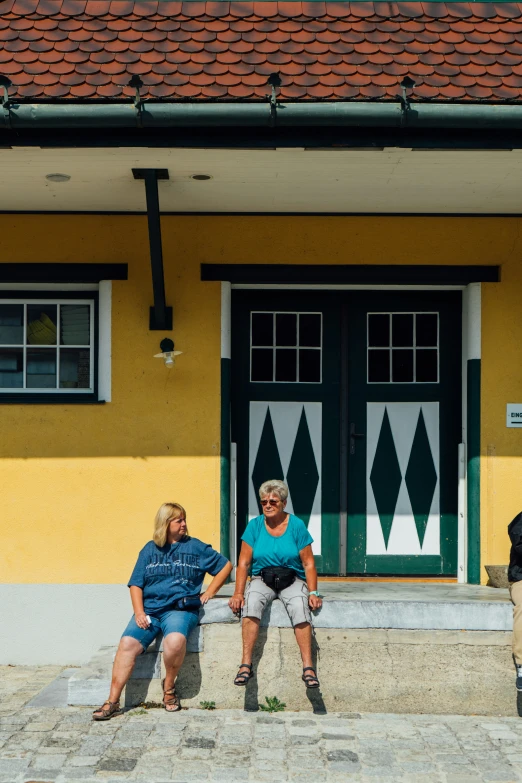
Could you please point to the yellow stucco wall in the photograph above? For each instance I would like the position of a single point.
(79, 485)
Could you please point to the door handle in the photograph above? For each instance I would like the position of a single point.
(353, 436)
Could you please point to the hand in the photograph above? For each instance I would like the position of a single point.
(314, 602)
(141, 620)
(236, 603)
(206, 596)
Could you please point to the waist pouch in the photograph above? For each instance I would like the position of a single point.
(189, 603)
(278, 577)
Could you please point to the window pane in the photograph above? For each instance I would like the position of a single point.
(402, 330)
(41, 324)
(310, 330)
(262, 329)
(379, 330)
(262, 364)
(11, 368)
(11, 324)
(75, 325)
(426, 329)
(75, 368)
(402, 366)
(286, 329)
(286, 365)
(309, 366)
(427, 370)
(379, 366)
(41, 368)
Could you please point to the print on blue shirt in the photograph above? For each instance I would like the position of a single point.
(168, 573)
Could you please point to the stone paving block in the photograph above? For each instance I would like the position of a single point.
(49, 762)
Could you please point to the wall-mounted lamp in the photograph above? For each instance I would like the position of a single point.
(167, 352)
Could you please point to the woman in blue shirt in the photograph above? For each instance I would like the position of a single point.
(165, 591)
(278, 548)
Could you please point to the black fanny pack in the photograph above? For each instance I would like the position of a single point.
(189, 603)
(278, 577)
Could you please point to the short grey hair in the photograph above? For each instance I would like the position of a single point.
(276, 486)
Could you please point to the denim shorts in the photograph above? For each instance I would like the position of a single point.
(164, 622)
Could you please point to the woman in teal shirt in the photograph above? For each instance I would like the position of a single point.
(278, 548)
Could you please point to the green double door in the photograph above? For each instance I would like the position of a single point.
(354, 399)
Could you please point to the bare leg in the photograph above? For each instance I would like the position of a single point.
(128, 650)
(174, 649)
(250, 631)
(303, 634)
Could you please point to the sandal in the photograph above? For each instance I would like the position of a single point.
(242, 678)
(106, 713)
(310, 680)
(171, 700)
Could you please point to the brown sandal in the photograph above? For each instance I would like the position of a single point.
(171, 700)
(106, 713)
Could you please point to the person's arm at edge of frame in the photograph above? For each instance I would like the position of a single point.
(243, 566)
(307, 559)
(136, 594)
(217, 583)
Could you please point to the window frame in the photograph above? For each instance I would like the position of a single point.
(391, 348)
(55, 297)
(274, 347)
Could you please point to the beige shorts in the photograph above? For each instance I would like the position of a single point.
(295, 599)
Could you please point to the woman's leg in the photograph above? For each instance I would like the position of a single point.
(174, 649)
(295, 599)
(303, 634)
(257, 598)
(128, 650)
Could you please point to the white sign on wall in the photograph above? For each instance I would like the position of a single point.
(514, 414)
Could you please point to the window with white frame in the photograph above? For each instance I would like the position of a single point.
(47, 345)
(285, 347)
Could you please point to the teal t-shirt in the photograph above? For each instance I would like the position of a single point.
(277, 550)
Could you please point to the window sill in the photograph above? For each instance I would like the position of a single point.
(41, 399)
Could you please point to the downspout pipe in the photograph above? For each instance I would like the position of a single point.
(17, 116)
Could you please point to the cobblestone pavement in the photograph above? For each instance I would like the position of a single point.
(151, 746)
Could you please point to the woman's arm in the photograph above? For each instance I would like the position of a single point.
(307, 559)
(217, 583)
(136, 594)
(244, 563)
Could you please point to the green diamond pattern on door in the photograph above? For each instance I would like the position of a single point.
(385, 477)
(267, 464)
(285, 442)
(303, 476)
(421, 477)
(403, 488)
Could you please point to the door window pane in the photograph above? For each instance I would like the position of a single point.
(75, 368)
(379, 330)
(41, 368)
(286, 365)
(426, 329)
(262, 365)
(309, 366)
(402, 366)
(11, 324)
(262, 328)
(427, 366)
(41, 324)
(402, 330)
(11, 368)
(286, 329)
(310, 330)
(379, 366)
(75, 326)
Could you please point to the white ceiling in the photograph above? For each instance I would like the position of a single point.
(280, 180)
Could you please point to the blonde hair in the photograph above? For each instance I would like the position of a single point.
(165, 512)
(276, 486)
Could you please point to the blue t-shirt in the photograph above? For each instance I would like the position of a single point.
(277, 550)
(168, 573)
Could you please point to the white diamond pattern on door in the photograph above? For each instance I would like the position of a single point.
(285, 443)
(403, 488)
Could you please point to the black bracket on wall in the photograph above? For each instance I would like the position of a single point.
(160, 314)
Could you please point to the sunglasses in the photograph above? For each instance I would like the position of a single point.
(269, 502)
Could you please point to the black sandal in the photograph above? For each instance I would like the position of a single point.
(171, 701)
(310, 680)
(242, 678)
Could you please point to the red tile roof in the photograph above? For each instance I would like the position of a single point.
(89, 49)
